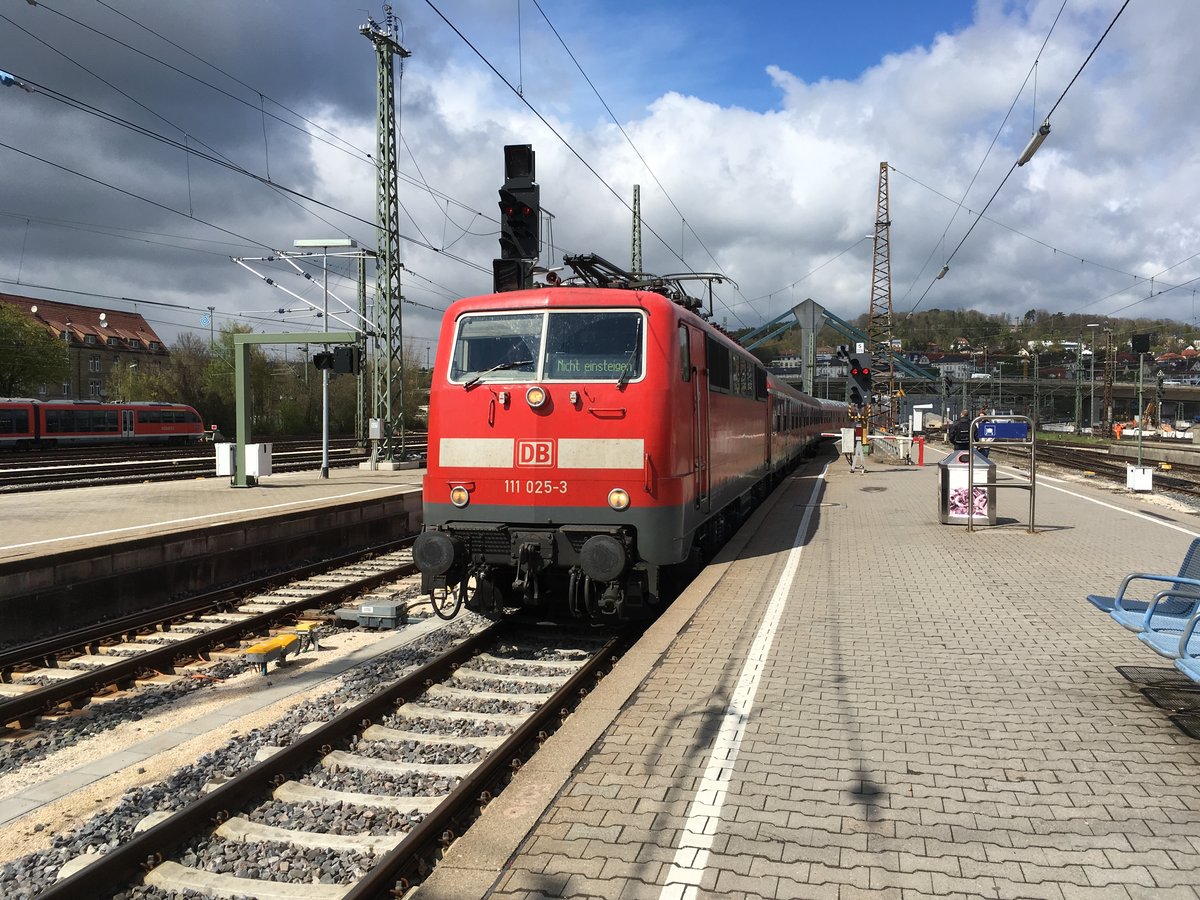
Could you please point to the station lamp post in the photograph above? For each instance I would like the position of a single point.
(1092, 398)
(324, 244)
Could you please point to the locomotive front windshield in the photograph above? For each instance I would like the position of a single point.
(566, 345)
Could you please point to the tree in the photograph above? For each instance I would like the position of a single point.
(30, 355)
(220, 400)
(186, 370)
(141, 380)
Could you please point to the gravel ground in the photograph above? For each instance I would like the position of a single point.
(104, 813)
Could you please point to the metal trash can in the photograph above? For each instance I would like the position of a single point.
(953, 475)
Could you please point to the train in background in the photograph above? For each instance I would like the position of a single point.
(36, 424)
(586, 442)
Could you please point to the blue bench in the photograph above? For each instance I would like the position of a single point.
(1188, 650)
(1168, 610)
(1169, 622)
(1164, 623)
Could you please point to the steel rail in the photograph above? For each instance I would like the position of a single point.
(404, 861)
(149, 847)
(24, 708)
(89, 637)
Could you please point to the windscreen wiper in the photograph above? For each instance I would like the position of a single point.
(499, 367)
(627, 369)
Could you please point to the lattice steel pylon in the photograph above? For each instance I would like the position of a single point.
(388, 358)
(879, 317)
(635, 256)
(1110, 375)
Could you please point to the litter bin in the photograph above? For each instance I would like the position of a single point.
(953, 474)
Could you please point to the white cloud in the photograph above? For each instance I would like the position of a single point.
(773, 194)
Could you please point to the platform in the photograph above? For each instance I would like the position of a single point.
(858, 701)
(46, 522)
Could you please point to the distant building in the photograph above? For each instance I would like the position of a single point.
(95, 342)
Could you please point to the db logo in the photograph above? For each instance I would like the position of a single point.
(535, 453)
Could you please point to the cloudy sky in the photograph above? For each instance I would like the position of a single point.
(755, 130)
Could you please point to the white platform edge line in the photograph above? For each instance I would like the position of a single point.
(683, 878)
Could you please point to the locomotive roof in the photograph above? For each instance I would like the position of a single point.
(560, 297)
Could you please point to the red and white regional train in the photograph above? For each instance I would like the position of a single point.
(29, 424)
(583, 440)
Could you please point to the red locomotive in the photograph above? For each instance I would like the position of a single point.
(583, 440)
(28, 424)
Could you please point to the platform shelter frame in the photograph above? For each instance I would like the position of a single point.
(1029, 485)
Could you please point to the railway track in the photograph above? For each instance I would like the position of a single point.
(354, 795)
(85, 467)
(1179, 479)
(66, 671)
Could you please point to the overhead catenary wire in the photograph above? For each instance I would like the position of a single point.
(566, 143)
(86, 107)
(141, 301)
(1020, 161)
(993, 221)
(633, 146)
(49, 92)
(342, 144)
(987, 153)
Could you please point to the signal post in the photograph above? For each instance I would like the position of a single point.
(858, 392)
(520, 221)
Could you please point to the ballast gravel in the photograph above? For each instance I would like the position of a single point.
(412, 752)
(32, 873)
(405, 784)
(55, 736)
(335, 818)
(483, 704)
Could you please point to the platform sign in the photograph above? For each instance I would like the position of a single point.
(1004, 431)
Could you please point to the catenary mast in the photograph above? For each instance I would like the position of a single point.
(388, 368)
(879, 318)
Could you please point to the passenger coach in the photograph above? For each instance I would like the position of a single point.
(27, 424)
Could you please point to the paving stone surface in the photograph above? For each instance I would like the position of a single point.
(939, 715)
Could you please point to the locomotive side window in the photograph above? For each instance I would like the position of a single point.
(593, 346)
(685, 353)
(504, 344)
(718, 364)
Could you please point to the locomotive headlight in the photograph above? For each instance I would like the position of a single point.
(536, 397)
(460, 496)
(618, 499)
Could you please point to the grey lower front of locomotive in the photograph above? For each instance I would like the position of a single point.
(604, 569)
